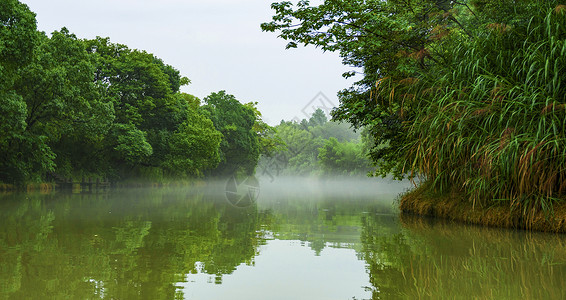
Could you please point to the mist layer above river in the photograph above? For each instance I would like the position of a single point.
(266, 189)
(339, 187)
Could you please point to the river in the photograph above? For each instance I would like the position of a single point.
(284, 238)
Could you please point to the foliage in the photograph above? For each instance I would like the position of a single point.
(18, 37)
(385, 39)
(72, 108)
(467, 94)
(302, 149)
(346, 158)
(195, 146)
(240, 148)
(269, 141)
(63, 102)
(317, 147)
(497, 115)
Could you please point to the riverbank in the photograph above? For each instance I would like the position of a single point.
(453, 206)
(32, 187)
(78, 187)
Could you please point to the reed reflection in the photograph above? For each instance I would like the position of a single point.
(424, 258)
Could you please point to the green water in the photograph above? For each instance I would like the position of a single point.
(301, 239)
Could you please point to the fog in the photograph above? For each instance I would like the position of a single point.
(347, 188)
(265, 191)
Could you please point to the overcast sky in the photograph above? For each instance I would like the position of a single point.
(217, 44)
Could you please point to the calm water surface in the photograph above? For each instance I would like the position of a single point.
(301, 239)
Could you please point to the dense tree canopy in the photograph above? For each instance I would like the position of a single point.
(18, 38)
(75, 108)
(240, 148)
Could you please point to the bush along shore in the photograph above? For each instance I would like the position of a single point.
(453, 205)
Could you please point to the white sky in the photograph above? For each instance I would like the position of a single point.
(217, 44)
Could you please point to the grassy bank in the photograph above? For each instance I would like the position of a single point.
(77, 187)
(454, 205)
(31, 187)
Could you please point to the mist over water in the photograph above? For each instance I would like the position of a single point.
(345, 188)
(309, 188)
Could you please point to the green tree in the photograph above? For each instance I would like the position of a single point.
(145, 92)
(18, 38)
(195, 145)
(346, 158)
(304, 142)
(301, 155)
(62, 107)
(342, 131)
(388, 40)
(64, 103)
(318, 118)
(91, 108)
(240, 147)
(269, 141)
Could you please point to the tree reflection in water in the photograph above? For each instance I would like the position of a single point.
(128, 245)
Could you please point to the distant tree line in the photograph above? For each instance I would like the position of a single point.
(78, 107)
(318, 147)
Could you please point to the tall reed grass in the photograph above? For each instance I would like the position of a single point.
(490, 121)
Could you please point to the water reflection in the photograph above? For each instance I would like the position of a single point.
(157, 243)
(128, 245)
(427, 258)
